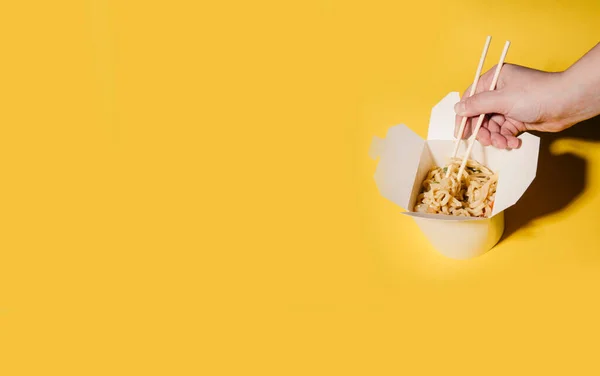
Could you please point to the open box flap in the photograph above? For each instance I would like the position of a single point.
(516, 172)
(400, 153)
(441, 122)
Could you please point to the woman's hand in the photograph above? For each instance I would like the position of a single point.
(526, 99)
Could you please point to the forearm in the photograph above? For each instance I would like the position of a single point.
(581, 83)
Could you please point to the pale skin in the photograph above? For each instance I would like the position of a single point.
(526, 99)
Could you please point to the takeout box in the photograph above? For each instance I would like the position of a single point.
(405, 160)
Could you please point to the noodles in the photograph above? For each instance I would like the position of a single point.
(473, 198)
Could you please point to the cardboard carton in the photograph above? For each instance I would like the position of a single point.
(405, 159)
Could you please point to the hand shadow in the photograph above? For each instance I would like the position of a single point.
(560, 178)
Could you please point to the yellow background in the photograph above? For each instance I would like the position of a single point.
(186, 190)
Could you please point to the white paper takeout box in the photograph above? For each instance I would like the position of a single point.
(405, 160)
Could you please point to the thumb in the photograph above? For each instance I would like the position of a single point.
(486, 102)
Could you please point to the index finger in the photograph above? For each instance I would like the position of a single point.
(482, 85)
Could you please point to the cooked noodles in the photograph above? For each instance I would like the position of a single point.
(474, 197)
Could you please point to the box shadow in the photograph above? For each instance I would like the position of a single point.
(560, 178)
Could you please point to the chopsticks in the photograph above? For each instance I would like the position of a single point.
(482, 116)
(473, 88)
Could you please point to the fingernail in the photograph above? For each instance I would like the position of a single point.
(459, 108)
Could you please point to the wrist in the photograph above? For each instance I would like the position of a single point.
(557, 100)
(578, 93)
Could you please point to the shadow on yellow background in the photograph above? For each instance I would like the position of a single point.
(566, 160)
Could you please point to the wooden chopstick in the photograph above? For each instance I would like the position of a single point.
(473, 89)
(482, 116)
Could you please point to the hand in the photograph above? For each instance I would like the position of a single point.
(524, 100)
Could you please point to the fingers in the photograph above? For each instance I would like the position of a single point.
(469, 127)
(502, 133)
(495, 131)
(471, 124)
(482, 85)
(484, 136)
(467, 93)
(509, 132)
(499, 141)
(498, 119)
(457, 124)
(489, 127)
(494, 124)
(459, 119)
(483, 100)
(513, 142)
(486, 102)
